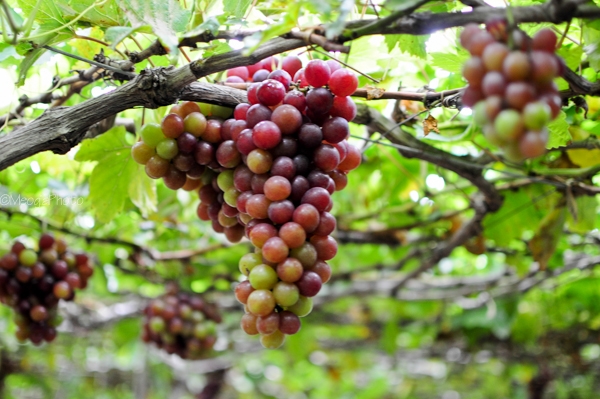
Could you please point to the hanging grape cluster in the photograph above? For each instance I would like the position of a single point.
(267, 174)
(181, 323)
(32, 283)
(511, 87)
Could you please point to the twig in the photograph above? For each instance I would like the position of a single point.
(98, 64)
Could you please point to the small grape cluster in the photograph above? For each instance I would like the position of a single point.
(511, 86)
(174, 150)
(181, 323)
(267, 174)
(32, 283)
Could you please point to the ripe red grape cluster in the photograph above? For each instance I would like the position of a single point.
(511, 87)
(181, 323)
(267, 174)
(32, 283)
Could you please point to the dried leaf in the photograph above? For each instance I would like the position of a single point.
(374, 92)
(429, 124)
(543, 243)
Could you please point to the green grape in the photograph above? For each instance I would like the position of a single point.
(152, 134)
(286, 294)
(480, 115)
(249, 262)
(28, 257)
(142, 152)
(509, 125)
(272, 341)
(225, 180)
(303, 307)
(230, 196)
(263, 277)
(536, 115)
(167, 149)
(157, 324)
(221, 112)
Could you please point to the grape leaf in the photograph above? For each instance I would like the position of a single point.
(102, 147)
(288, 22)
(336, 27)
(23, 48)
(103, 14)
(592, 49)
(586, 215)
(116, 34)
(410, 44)
(571, 54)
(401, 4)
(236, 8)
(49, 32)
(519, 212)
(112, 175)
(47, 11)
(449, 61)
(142, 191)
(165, 17)
(559, 132)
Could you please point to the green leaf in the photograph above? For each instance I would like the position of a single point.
(109, 184)
(112, 176)
(449, 61)
(23, 48)
(288, 22)
(27, 62)
(103, 146)
(520, 212)
(336, 27)
(585, 211)
(47, 11)
(400, 4)
(591, 36)
(571, 54)
(165, 17)
(42, 38)
(16, 17)
(217, 47)
(388, 337)
(116, 34)
(236, 8)
(7, 51)
(103, 14)
(410, 44)
(559, 132)
(142, 191)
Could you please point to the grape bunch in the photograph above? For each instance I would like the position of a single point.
(511, 87)
(181, 323)
(294, 157)
(32, 283)
(268, 175)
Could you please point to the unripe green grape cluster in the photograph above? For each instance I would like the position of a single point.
(32, 283)
(181, 323)
(511, 86)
